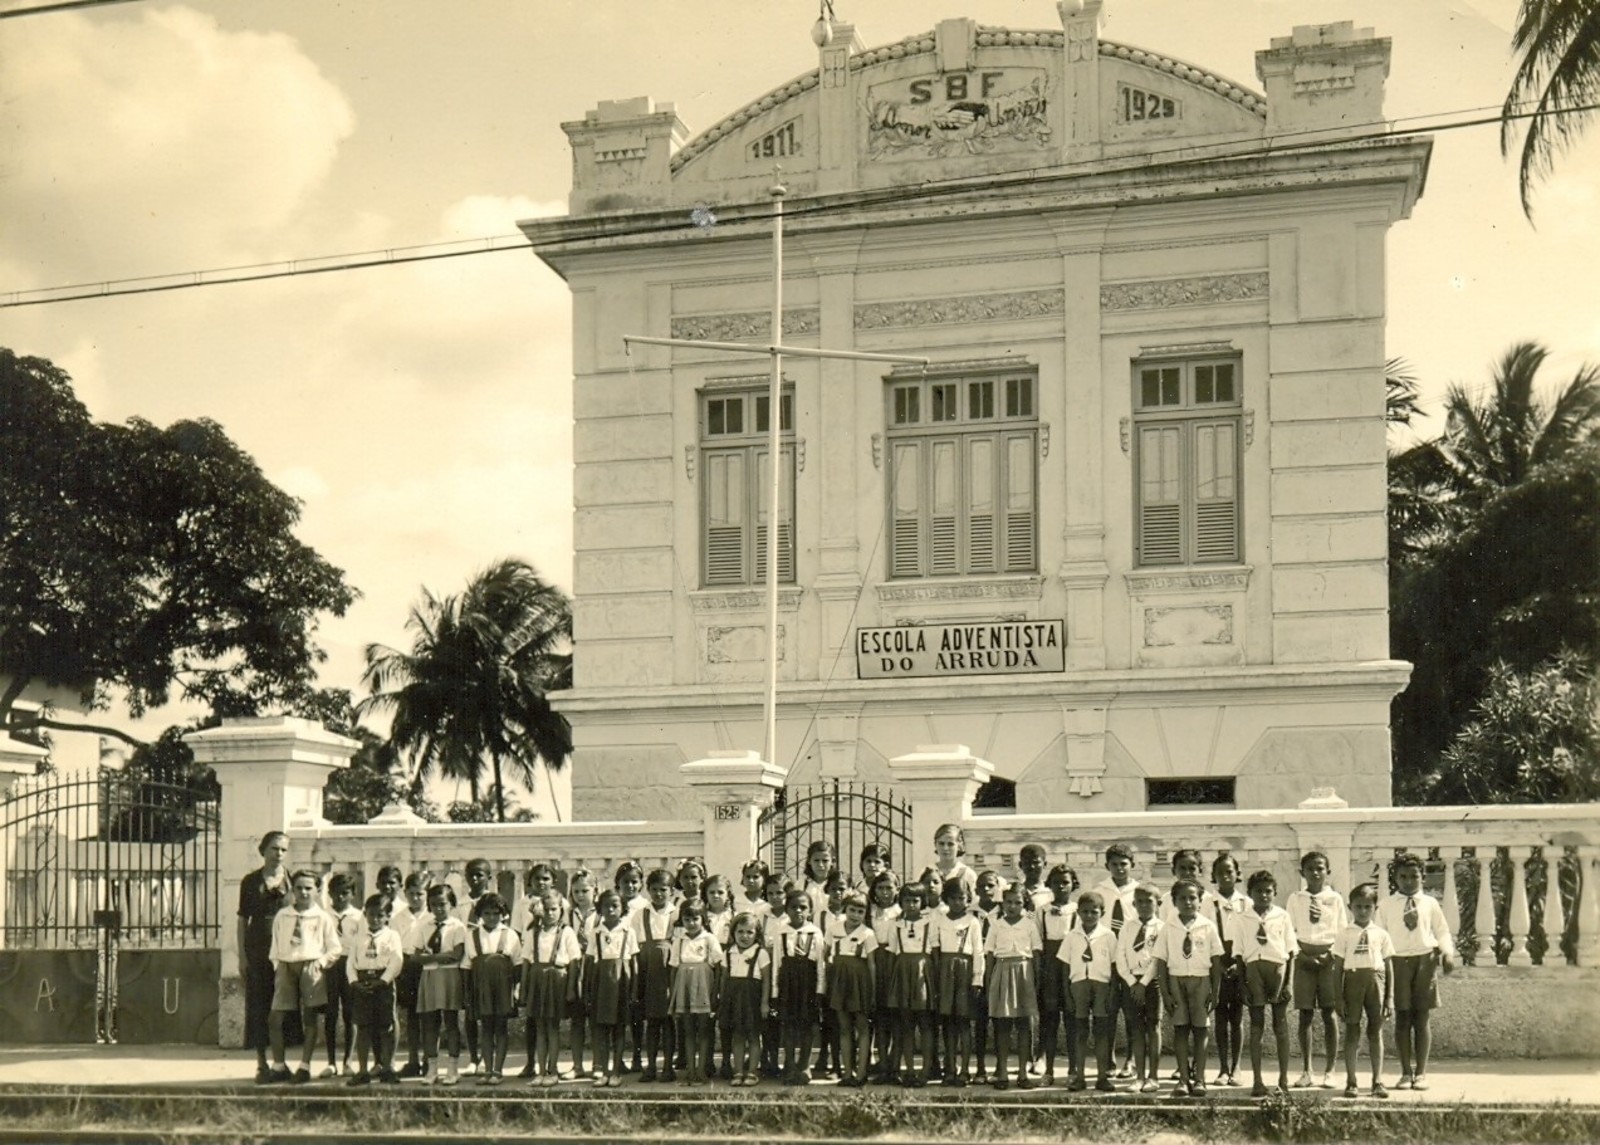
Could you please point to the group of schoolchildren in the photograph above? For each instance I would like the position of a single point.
(956, 977)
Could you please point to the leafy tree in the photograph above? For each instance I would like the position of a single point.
(1518, 584)
(136, 560)
(473, 686)
(374, 778)
(1557, 80)
(1534, 738)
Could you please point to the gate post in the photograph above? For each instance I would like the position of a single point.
(734, 788)
(18, 761)
(939, 781)
(271, 771)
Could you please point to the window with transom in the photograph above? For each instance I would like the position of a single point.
(1187, 461)
(963, 473)
(736, 474)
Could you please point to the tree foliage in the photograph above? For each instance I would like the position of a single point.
(374, 778)
(471, 692)
(1556, 85)
(135, 560)
(1495, 556)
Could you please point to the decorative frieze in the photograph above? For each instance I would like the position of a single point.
(1009, 588)
(745, 325)
(733, 600)
(1142, 582)
(1160, 293)
(1009, 306)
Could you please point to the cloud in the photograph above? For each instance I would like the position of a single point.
(157, 144)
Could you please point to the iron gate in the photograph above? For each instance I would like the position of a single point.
(846, 814)
(109, 922)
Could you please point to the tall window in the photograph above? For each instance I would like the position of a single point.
(1186, 454)
(962, 475)
(736, 473)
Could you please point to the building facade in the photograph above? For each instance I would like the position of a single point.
(1124, 537)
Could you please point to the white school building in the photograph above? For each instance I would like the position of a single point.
(1124, 537)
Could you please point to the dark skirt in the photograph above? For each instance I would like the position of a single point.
(546, 989)
(655, 979)
(493, 976)
(850, 985)
(405, 986)
(797, 991)
(608, 993)
(910, 983)
(955, 985)
(260, 980)
(742, 1006)
(882, 965)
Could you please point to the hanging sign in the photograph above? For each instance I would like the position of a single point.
(981, 649)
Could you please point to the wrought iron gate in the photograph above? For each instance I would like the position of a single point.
(109, 885)
(846, 814)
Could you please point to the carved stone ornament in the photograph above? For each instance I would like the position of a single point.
(1144, 581)
(877, 451)
(1044, 440)
(690, 452)
(1010, 588)
(1125, 433)
(745, 326)
(1249, 427)
(800, 455)
(733, 600)
(1159, 293)
(1005, 307)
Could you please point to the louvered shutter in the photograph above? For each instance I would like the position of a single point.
(1021, 509)
(980, 498)
(1216, 491)
(785, 519)
(726, 518)
(944, 558)
(905, 540)
(1160, 495)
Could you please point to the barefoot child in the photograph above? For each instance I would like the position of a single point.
(1364, 953)
(1265, 945)
(374, 961)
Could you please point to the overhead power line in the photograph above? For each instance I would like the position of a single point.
(58, 6)
(395, 256)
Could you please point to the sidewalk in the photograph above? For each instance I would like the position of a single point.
(1476, 1082)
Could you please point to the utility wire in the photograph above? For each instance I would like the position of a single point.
(1181, 154)
(59, 6)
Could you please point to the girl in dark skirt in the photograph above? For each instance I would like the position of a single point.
(883, 910)
(583, 918)
(608, 982)
(652, 930)
(797, 954)
(551, 957)
(493, 951)
(746, 986)
(851, 995)
(958, 938)
(911, 997)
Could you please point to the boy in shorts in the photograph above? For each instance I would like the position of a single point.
(374, 960)
(1422, 946)
(1141, 995)
(1089, 950)
(1319, 918)
(305, 942)
(1264, 944)
(1189, 967)
(1363, 953)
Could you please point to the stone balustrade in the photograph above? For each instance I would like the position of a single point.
(1489, 866)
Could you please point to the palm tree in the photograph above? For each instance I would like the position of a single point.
(1494, 443)
(474, 685)
(1557, 81)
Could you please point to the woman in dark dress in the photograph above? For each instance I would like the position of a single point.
(262, 894)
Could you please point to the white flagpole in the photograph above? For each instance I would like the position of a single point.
(774, 446)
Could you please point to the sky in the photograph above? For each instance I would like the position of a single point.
(422, 413)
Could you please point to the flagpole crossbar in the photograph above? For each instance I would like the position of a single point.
(791, 351)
